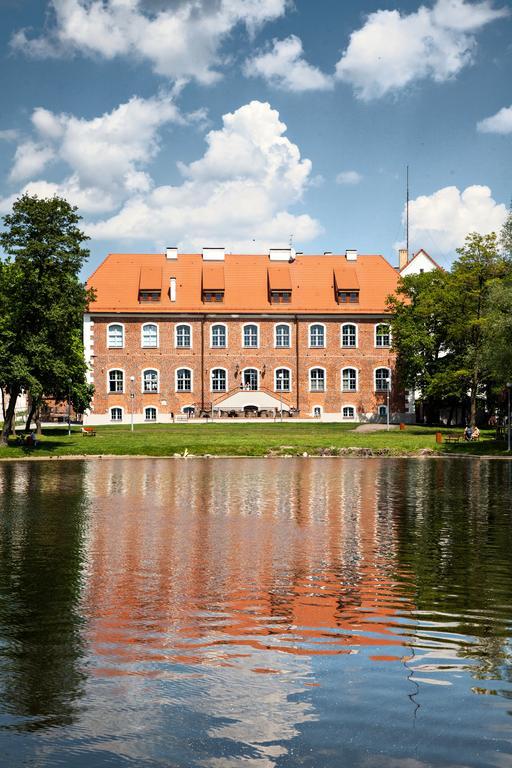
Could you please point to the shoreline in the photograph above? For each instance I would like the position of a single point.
(347, 455)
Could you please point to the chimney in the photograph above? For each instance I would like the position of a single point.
(172, 289)
(403, 258)
(282, 254)
(213, 254)
(171, 253)
(351, 255)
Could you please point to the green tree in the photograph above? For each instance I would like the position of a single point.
(498, 334)
(506, 235)
(42, 302)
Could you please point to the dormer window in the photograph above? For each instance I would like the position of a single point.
(279, 284)
(150, 284)
(346, 284)
(348, 297)
(280, 297)
(213, 296)
(149, 296)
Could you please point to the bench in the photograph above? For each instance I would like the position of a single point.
(88, 432)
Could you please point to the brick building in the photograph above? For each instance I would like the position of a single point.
(229, 334)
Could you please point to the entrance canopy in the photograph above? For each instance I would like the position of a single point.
(240, 400)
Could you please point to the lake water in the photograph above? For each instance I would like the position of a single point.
(253, 613)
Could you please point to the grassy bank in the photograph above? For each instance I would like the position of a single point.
(247, 440)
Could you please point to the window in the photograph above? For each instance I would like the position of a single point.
(382, 335)
(383, 410)
(219, 336)
(317, 411)
(349, 412)
(183, 336)
(382, 379)
(150, 414)
(348, 297)
(317, 335)
(184, 380)
(280, 297)
(250, 379)
(317, 380)
(150, 335)
(282, 380)
(189, 411)
(283, 336)
(250, 335)
(149, 296)
(213, 296)
(115, 336)
(349, 335)
(219, 380)
(349, 380)
(150, 381)
(116, 414)
(115, 381)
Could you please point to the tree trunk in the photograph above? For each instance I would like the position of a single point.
(30, 416)
(472, 418)
(9, 417)
(39, 429)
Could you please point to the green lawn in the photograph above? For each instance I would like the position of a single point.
(245, 440)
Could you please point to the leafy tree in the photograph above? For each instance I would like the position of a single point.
(498, 333)
(42, 302)
(506, 235)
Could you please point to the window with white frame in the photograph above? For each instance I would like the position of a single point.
(150, 335)
(250, 379)
(184, 380)
(383, 410)
(115, 336)
(150, 414)
(219, 335)
(183, 336)
(189, 411)
(349, 412)
(382, 335)
(317, 335)
(382, 379)
(283, 336)
(219, 380)
(115, 381)
(349, 335)
(150, 381)
(317, 411)
(250, 335)
(317, 380)
(282, 380)
(116, 414)
(349, 380)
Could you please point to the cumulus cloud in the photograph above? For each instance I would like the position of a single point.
(448, 215)
(283, 66)
(501, 122)
(182, 41)
(348, 178)
(30, 160)
(393, 50)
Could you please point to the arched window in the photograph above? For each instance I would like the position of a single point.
(282, 380)
(115, 336)
(116, 414)
(349, 412)
(382, 379)
(115, 381)
(184, 380)
(150, 381)
(150, 335)
(219, 335)
(317, 380)
(283, 336)
(317, 411)
(219, 380)
(250, 338)
(317, 335)
(382, 335)
(349, 335)
(183, 336)
(150, 413)
(189, 411)
(349, 380)
(250, 379)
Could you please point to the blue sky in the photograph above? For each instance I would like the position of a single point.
(243, 123)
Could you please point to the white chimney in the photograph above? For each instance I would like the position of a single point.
(351, 255)
(282, 254)
(213, 254)
(172, 289)
(171, 253)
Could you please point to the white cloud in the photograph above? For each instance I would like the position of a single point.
(349, 177)
(501, 122)
(183, 41)
(283, 66)
(391, 51)
(237, 193)
(444, 218)
(30, 160)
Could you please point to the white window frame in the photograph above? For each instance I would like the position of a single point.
(322, 346)
(150, 346)
(219, 391)
(320, 408)
(214, 325)
(320, 368)
(257, 326)
(184, 368)
(184, 408)
(382, 410)
(350, 368)
(381, 368)
(123, 336)
(287, 325)
(283, 368)
(382, 346)
(120, 392)
(179, 325)
(251, 368)
(116, 407)
(153, 407)
(349, 418)
(152, 391)
(348, 346)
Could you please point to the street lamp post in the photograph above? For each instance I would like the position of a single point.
(280, 377)
(509, 387)
(69, 407)
(132, 397)
(388, 387)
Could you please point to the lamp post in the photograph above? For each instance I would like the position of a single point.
(280, 377)
(132, 397)
(509, 387)
(69, 407)
(388, 387)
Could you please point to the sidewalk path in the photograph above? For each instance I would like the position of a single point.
(374, 427)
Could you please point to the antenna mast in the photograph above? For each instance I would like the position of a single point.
(407, 211)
